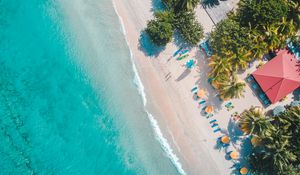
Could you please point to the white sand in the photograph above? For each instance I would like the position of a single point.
(171, 102)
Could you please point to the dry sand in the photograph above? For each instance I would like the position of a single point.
(171, 100)
(168, 88)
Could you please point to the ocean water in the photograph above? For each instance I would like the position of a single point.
(71, 101)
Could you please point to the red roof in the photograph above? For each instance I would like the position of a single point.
(280, 76)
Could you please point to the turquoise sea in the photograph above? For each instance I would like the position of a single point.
(69, 100)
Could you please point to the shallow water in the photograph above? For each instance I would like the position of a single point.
(68, 101)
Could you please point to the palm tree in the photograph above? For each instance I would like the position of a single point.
(277, 150)
(254, 122)
(259, 47)
(188, 5)
(232, 89)
(220, 66)
(240, 59)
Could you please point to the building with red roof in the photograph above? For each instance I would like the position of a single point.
(279, 77)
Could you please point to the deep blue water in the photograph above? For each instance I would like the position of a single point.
(65, 108)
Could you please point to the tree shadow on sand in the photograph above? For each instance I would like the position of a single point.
(210, 3)
(180, 42)
(147, 47)
(203, 83)
(234, 131)
(157, 5)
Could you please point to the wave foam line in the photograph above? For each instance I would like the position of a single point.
(157, 131)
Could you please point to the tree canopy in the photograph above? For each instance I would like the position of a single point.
(160, 29)
(259, 13)
(189, 28)
(280, 152)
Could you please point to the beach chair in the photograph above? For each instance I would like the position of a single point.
(183, 52)
(202, 102)
(217, 130)
(177, 52)
(212, 121)
(183, 56)
(194, 89)
(215, 125)
(227, 105)
(209, 115)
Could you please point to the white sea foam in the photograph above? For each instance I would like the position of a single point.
(157, 131)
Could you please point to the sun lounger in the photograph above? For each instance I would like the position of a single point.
(183, 57)
(194, 89)
(214, 125)
(177, 52)
(202, 102)
(183, 51)
(216, 130)
(227, 105)
(212, 121)
(209, 115)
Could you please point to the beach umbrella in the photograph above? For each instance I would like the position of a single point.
(225, 139)
(201, 93)
(234, 155)
(209, 109)
(244, 170)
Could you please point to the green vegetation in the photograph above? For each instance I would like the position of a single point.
(259, 13)
(178, 16)
(189, 28)
(256, 28)
(232, 89)
(279, 152)
(161, 29)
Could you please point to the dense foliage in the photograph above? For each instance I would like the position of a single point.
(181, 5)
(160, 29)
(279, 152)
(189, 28)
(256, 28)
(259, 13)
(180, 15)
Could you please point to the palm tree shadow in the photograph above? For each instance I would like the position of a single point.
(179, 41)
(184, 74)
(234, 131)
(203, 83)
(147, 47)
(210, 3)
(157, 5)
(296, 94)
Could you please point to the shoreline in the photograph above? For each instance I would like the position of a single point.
(140, 87)
(170, 101)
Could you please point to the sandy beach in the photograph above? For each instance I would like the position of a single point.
(168, 88)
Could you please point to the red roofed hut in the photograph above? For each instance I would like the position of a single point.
(279, 77)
